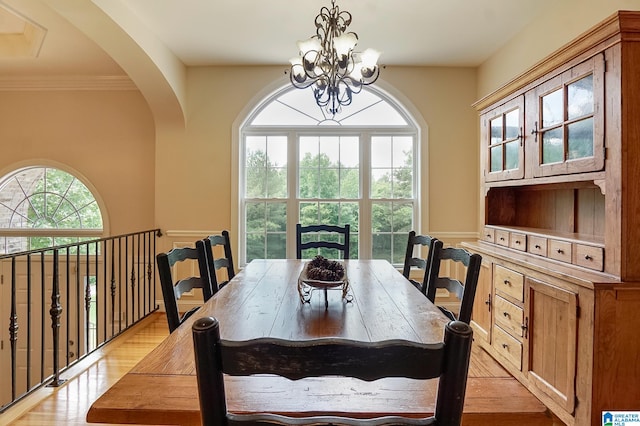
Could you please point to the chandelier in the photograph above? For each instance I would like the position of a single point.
(328, 62)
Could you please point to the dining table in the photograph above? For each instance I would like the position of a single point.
(263, 300)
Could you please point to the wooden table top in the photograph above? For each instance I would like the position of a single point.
(263, 300)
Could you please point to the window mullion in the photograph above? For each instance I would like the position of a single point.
(365, 238)
(293, 201)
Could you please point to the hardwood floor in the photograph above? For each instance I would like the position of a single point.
(69, 403)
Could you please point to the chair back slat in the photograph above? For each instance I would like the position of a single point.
(337, 357)
(414, 242)
(447, 360)
(173, 288)
(214, 263)
(342, 233)
(465, 290)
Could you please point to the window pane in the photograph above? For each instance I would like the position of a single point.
(402, 218)
(276, 182)
(255, 166)
(381, 216)
(402, 151)
(309, 150)
(255, 217)
(512, 151)
(309, 183)
(265, 166)
(350, 213)
(496, 130)
(403, 183)
(350, 183)
(276, 246)
(399, 248)
(496, 158)
(255, 246)
(350, 151)
(552, 146)
(580, 98)
(552, 108)
(580, 139)
(381, 151)
(381, 246)
(276, 217)
(512, 124)
(91, 216)
(266, 225)
(381, 183)
(330, 148)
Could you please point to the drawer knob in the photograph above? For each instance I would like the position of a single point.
(507, 282)
(560, 251)
(501, 238)
(505, 346)
(537, 246)
(488, 235)
(587, 257)
(506, 314)
(517, 241)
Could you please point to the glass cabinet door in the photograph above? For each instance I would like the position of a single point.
(567, 121)
(502, 141)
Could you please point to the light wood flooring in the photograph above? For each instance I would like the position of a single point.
(69, 403)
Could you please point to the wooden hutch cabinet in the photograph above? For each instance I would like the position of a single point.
(558, 300)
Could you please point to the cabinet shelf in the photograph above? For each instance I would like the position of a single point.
(578, 180)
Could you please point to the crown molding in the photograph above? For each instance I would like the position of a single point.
(67, 82)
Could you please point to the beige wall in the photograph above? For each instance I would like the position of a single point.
(106, 136)
(550, 31)
(194, 167)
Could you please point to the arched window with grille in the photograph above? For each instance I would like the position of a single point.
(299, 164)
(44, 206)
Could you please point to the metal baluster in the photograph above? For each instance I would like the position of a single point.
(13, 328)
(55, 312)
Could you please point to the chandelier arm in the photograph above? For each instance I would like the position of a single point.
(329, 67)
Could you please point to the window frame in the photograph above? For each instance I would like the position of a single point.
(79, 233)
(242, 128)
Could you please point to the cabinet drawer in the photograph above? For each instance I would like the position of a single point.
(518, 241)
(588, 256)
(502, 237)
(509, 316)
(508, 282)
(559, 250)
(507, 346)
(489, 235)
(537, 245)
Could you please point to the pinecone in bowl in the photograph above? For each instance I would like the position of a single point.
(322, 269)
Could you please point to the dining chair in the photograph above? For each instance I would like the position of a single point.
(448, 361)
(216, 263)
(465, 291)
(323, 237)
(173, 288)
(411, 263)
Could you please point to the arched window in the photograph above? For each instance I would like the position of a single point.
(43, 206)
(299, 164)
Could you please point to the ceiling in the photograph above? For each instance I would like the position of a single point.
(263, 32)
